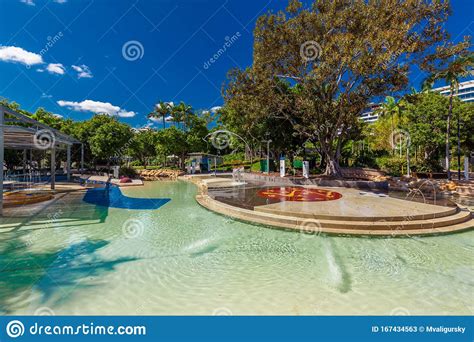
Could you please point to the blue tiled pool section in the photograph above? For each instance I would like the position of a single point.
(112, 197)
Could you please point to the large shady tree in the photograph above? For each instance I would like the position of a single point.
(335, 55)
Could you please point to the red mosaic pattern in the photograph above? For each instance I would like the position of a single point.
(299, 194)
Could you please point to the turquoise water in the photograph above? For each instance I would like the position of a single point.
(79, 258)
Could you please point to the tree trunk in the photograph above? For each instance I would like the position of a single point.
(448, 129)
(333, 155)
(332, 166)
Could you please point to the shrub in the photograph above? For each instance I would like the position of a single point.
(427, 166)
(231, 158)
(364, 160)
(393, 165)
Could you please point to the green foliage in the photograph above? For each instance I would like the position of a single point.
(110, 140)
(143, 146)
(127, 172)
(234, 157)
(426, 122)
(364, 160)
(426, 165)
(197, 130)
(106, 139)
(172, 141)
(317, 91)
(392, 165)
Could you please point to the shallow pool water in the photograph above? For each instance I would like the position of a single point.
(81, 258)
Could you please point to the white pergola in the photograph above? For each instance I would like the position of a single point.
(18, 131)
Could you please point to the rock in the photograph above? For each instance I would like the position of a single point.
(152, 175)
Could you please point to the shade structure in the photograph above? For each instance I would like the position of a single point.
(19, 131)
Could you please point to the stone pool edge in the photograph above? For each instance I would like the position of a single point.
(312, 226)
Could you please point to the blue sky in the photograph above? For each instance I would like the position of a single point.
(76, 56)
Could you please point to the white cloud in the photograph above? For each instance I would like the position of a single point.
(32, 3)
(83, 71)
(59, 116)
(56, 68)
(28, 2)
(18, 55)
(171, 104)
(96, 107)
(160, 119)
(215, 109)
(46, 96)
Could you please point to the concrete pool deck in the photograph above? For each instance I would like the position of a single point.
(358, 212)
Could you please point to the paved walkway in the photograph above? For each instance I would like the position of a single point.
(356, 204)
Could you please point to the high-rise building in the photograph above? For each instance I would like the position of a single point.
(465, 92)
(370, 114)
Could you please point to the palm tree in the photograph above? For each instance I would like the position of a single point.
(161, 110)
(181, 113)
(390, 107)
(459, 68)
